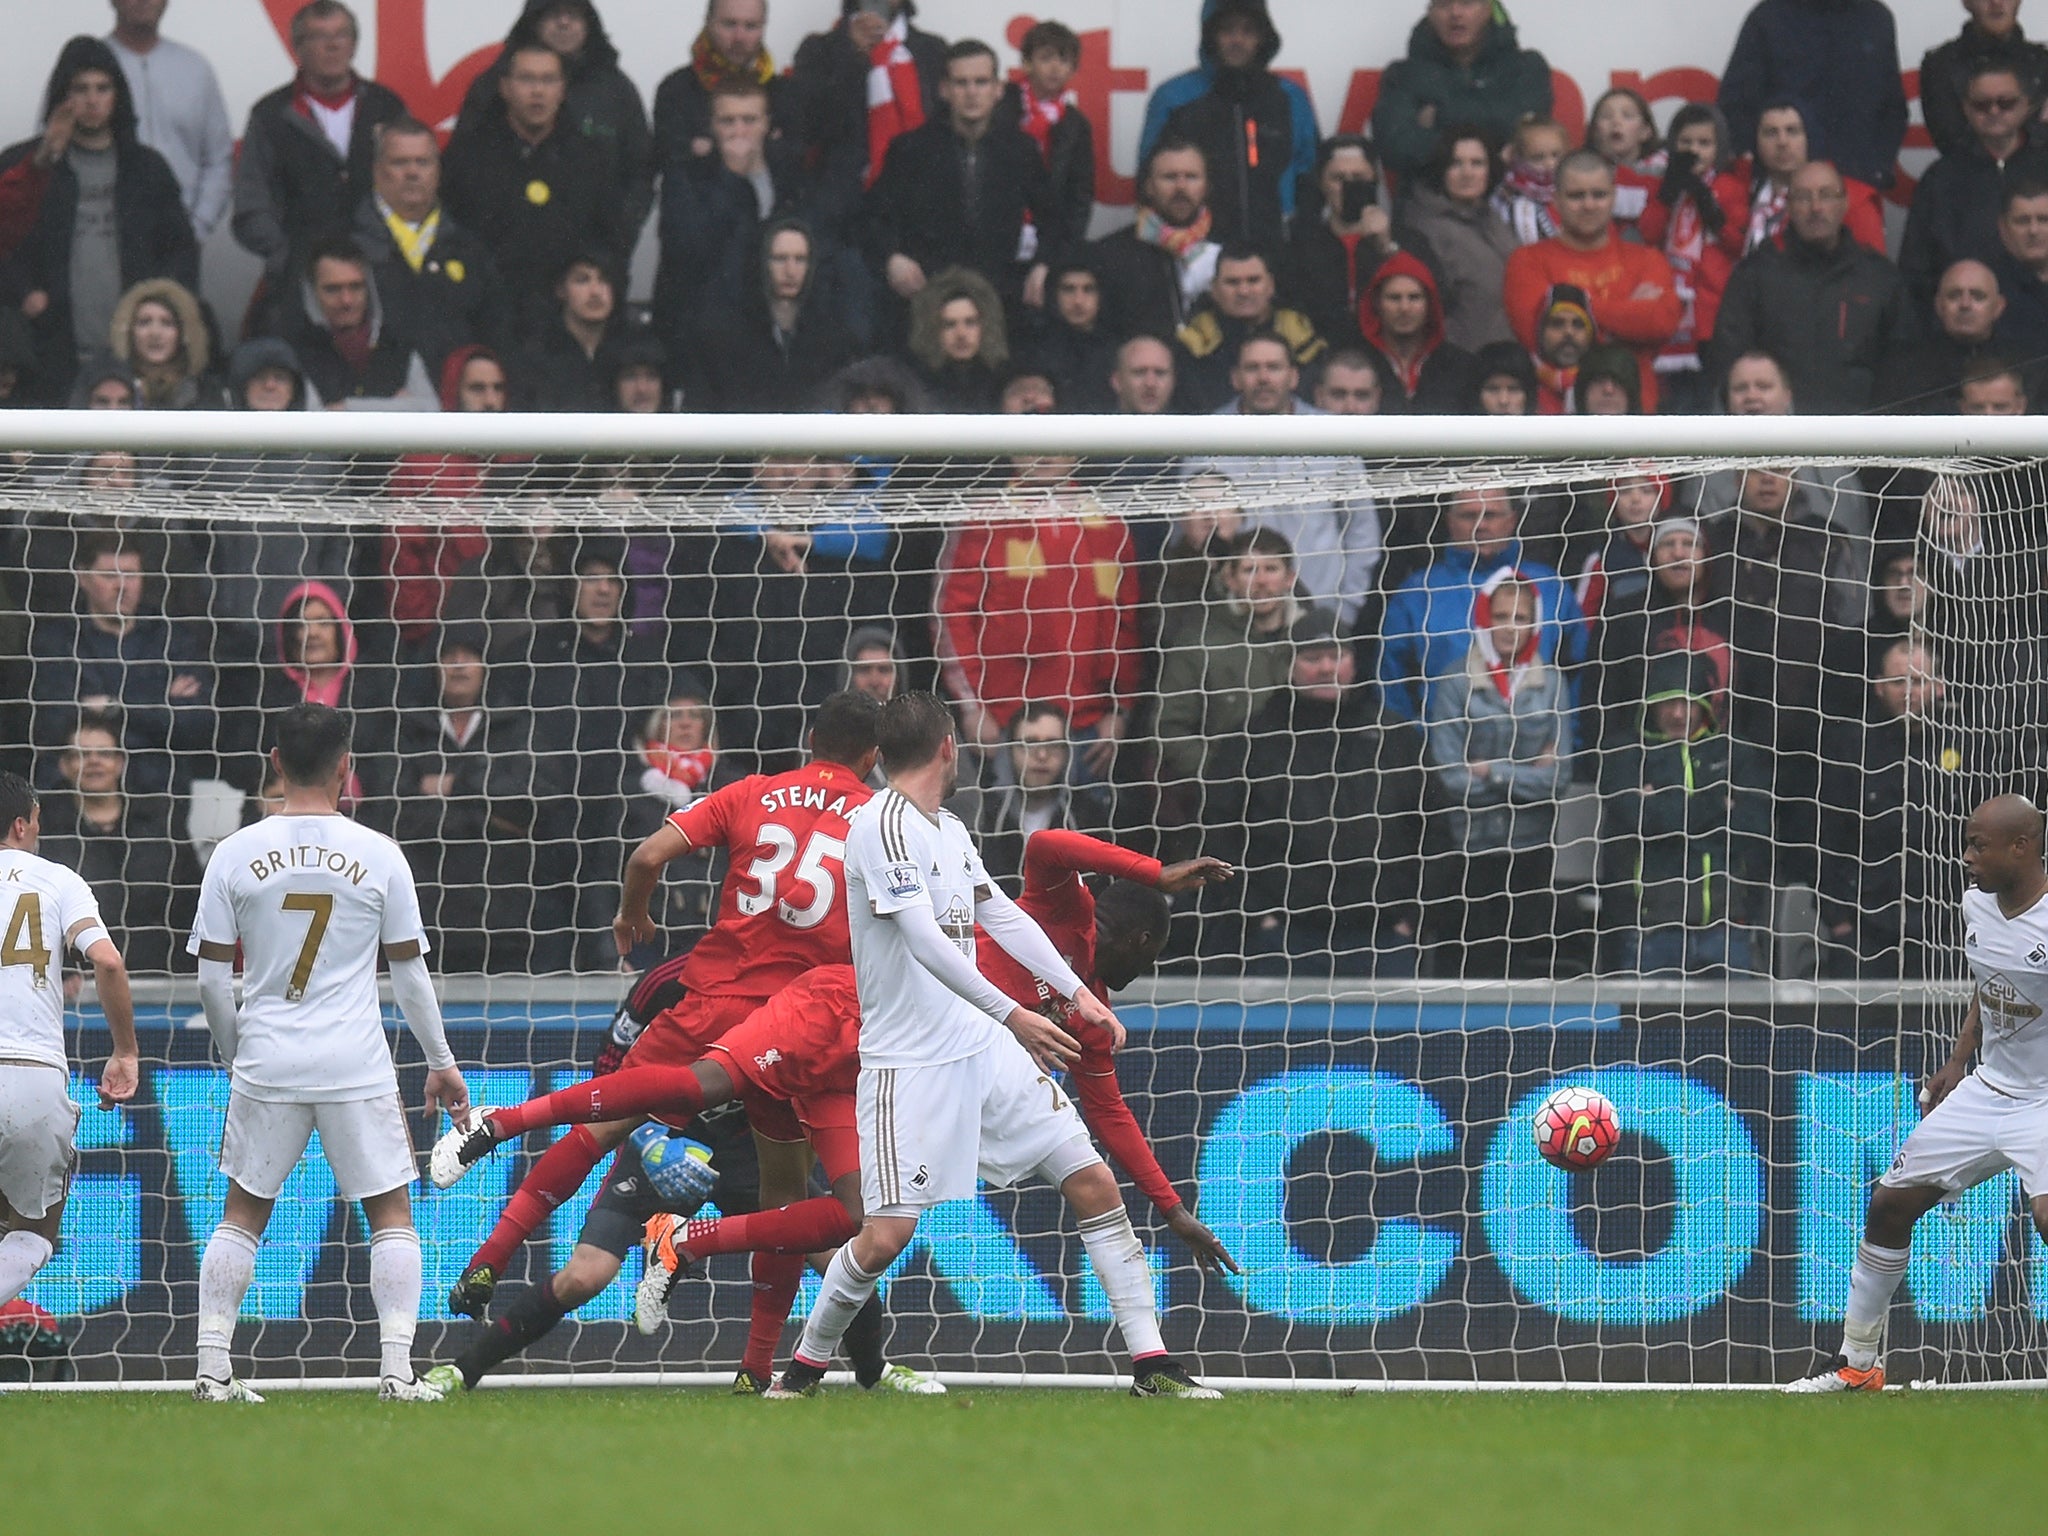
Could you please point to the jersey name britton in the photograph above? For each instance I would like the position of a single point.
(308, 856)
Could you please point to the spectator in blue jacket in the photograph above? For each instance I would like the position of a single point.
(1428, 626)
(1465, 68)
(1842, 57)
(1235, 83)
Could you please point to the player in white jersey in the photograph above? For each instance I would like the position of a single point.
(312, 898)
(955, 1079)
(1979, 1123)
(45, 909)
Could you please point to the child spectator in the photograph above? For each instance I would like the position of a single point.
(1621, 131)
(1498, 752)
(679, 746)
(1686, 827)
(1049, 113)
(1619, 571)
(1698, 217)
(1526, 198)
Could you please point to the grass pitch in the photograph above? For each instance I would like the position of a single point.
(994, 1462)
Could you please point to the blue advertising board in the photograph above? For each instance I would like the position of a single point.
(1369, 1165)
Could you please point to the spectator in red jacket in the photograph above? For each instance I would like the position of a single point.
(1038, 602)
(1402, 317)
(425, 565)
(1697, 214)
(1633, 295)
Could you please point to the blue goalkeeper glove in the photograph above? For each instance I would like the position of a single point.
(679, 1169)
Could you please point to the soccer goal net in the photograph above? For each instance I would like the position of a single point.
(1631, 754)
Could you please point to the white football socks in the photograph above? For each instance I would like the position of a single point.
(395, 1288)
(224, 1275)
(845, 1290)
(1119, 1260)
(1872, 1282)
(21, 1255)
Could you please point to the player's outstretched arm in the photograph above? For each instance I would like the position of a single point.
(633, 926)
(122, 1073)
(1025, 942)
(1207, 1248)
(412, 988)
(1957, 1067)
(1193, 874)
(1053, 854)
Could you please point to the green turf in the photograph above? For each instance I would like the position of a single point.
(988, 1463)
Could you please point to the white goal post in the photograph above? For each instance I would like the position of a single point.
(1337, 1061)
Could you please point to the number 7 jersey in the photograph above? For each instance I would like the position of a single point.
(312, 901)
(782, 910)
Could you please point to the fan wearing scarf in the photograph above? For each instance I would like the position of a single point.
(728, 48)
(1499, 755)
(873, 76)
(1564, 333)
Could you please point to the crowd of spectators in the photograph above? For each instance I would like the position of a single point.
(1377, 704)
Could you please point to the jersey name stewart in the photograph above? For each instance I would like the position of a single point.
(782, 909)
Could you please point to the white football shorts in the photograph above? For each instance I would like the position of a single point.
(1973, 1134)
(927, 1132)
(364, 1141)
(38, 1123)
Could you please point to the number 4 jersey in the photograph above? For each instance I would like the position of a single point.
(781, 911)
(312, 900)
(40, 902)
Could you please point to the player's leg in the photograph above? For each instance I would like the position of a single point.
(1030, 1129)
(556, 1175)
(1954, 1148)
(611, 1230)
(628, 1096)
(36, 1158)
(919, 1128)
(260, 1144)
(366, 1143)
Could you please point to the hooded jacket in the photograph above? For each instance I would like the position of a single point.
(1840, 55)
(1686, 821)
(394, 377)
(1428, 625)
(153, 234)
(1439, 379)
(1286, 138)
(740, 361)
(1504, 84)
(600, 102)
(1254, 127)
(1511, 713)
(447, 474)
(195, 387)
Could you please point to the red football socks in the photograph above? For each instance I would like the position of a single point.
(776, 1278)
(804, 1227)
(557, 1174)
(633, 1093)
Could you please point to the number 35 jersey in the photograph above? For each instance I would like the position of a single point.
(40, 902)
(312, 900)
(2009, 958)
(783, 907)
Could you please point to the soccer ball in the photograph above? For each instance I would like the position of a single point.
(1576, 1128)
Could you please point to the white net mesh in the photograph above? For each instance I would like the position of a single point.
(1672, 808)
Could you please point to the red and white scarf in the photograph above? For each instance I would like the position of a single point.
(1508, 672)
(1766, 214)
(1526, 200)
(895, 94)
(1041, 116)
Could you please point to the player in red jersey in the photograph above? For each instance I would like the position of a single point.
(780, 914)
(793, 1064)
(1110, 941)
